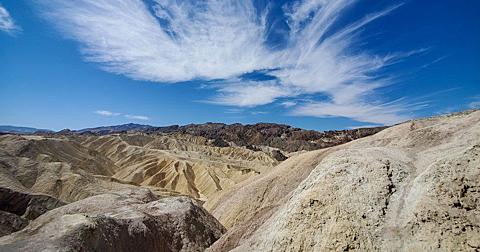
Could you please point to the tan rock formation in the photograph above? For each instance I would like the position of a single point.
(183, 164)
(129, 220)
(412, 187)
(73, 167)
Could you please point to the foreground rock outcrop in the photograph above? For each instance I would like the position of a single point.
(411, 187)
(18, 205)
(26, 205)
(128, 220)
(10, 223)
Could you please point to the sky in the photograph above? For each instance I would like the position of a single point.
(314, 64)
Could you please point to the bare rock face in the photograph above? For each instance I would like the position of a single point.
(18, 207)
(27, 205)
(411, 187)
(10, 223)
(129, 220)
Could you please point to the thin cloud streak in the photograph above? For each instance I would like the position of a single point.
(359, 112)
(106, 113)
(288, 104)
(7, 24)
(138, 117)
(384, 114)
(363, 126)
(173, 41)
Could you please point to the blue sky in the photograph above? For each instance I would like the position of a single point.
(312, 64)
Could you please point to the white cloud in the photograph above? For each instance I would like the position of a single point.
(364, 126)
(6, 22)
(233, 111)
(106, 113)
(215, 39)
(288, 104)
(248, 93)
(386, 113)
(222, 39)
(259, 112)
(434, 61)
(111, 114)
(138, 117)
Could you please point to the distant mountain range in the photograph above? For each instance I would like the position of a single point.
(105, 130)
(283, 137)
(20, 130)
(254, 136)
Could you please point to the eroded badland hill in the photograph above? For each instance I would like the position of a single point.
(265, 187)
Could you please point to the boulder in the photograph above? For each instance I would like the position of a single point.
(128, 220)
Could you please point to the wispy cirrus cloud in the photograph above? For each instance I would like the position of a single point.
(170, 41)
(233, 111)
(363, 126)
(385, 113)
(128, 116)
(259, 112)
(288, 104)
(138, 117)
(248, 93)
(106, 113)
(7, 24)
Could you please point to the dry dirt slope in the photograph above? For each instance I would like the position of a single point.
(71, 167)
(412, 187)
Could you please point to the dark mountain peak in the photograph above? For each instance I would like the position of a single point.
(103, 130)
(253, 136)
(134, 125)
(65, 132)
(281, 136)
